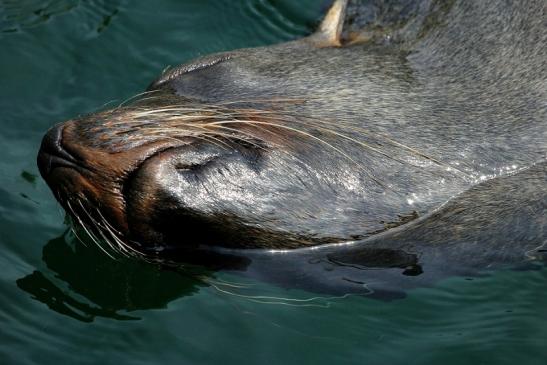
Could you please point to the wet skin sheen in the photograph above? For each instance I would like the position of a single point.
(422, 135)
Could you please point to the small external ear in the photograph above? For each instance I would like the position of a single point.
(330, 31)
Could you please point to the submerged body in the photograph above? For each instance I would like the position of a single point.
(417, 128)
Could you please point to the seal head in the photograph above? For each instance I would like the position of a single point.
(333, 138)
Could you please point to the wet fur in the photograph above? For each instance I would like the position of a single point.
(430, 110)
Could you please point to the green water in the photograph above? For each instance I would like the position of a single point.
(62, 302)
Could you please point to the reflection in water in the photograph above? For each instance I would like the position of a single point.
(82, 282)
(45, 291)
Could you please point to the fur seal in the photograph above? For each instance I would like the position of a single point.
(416, 128)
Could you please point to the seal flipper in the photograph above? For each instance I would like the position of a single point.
(329, 32)
(498, 223)
(379, 21)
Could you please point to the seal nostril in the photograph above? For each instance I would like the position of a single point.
(52, 154)
(52, 142)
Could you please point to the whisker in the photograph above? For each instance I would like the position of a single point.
(94, 222)
(298, 131)
(123, 245)
(270, 100)
(318, 124)
(131, 98)
(91, 235)
(263, 299)
(73, 215)
(200, 121)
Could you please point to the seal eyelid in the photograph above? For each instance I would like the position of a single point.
(193, 166)
(200, 64)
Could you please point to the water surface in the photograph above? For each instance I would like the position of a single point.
(62, 302)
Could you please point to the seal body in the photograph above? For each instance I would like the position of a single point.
(416, 128)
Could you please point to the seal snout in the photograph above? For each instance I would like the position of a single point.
(52, 153)
(88, 177)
